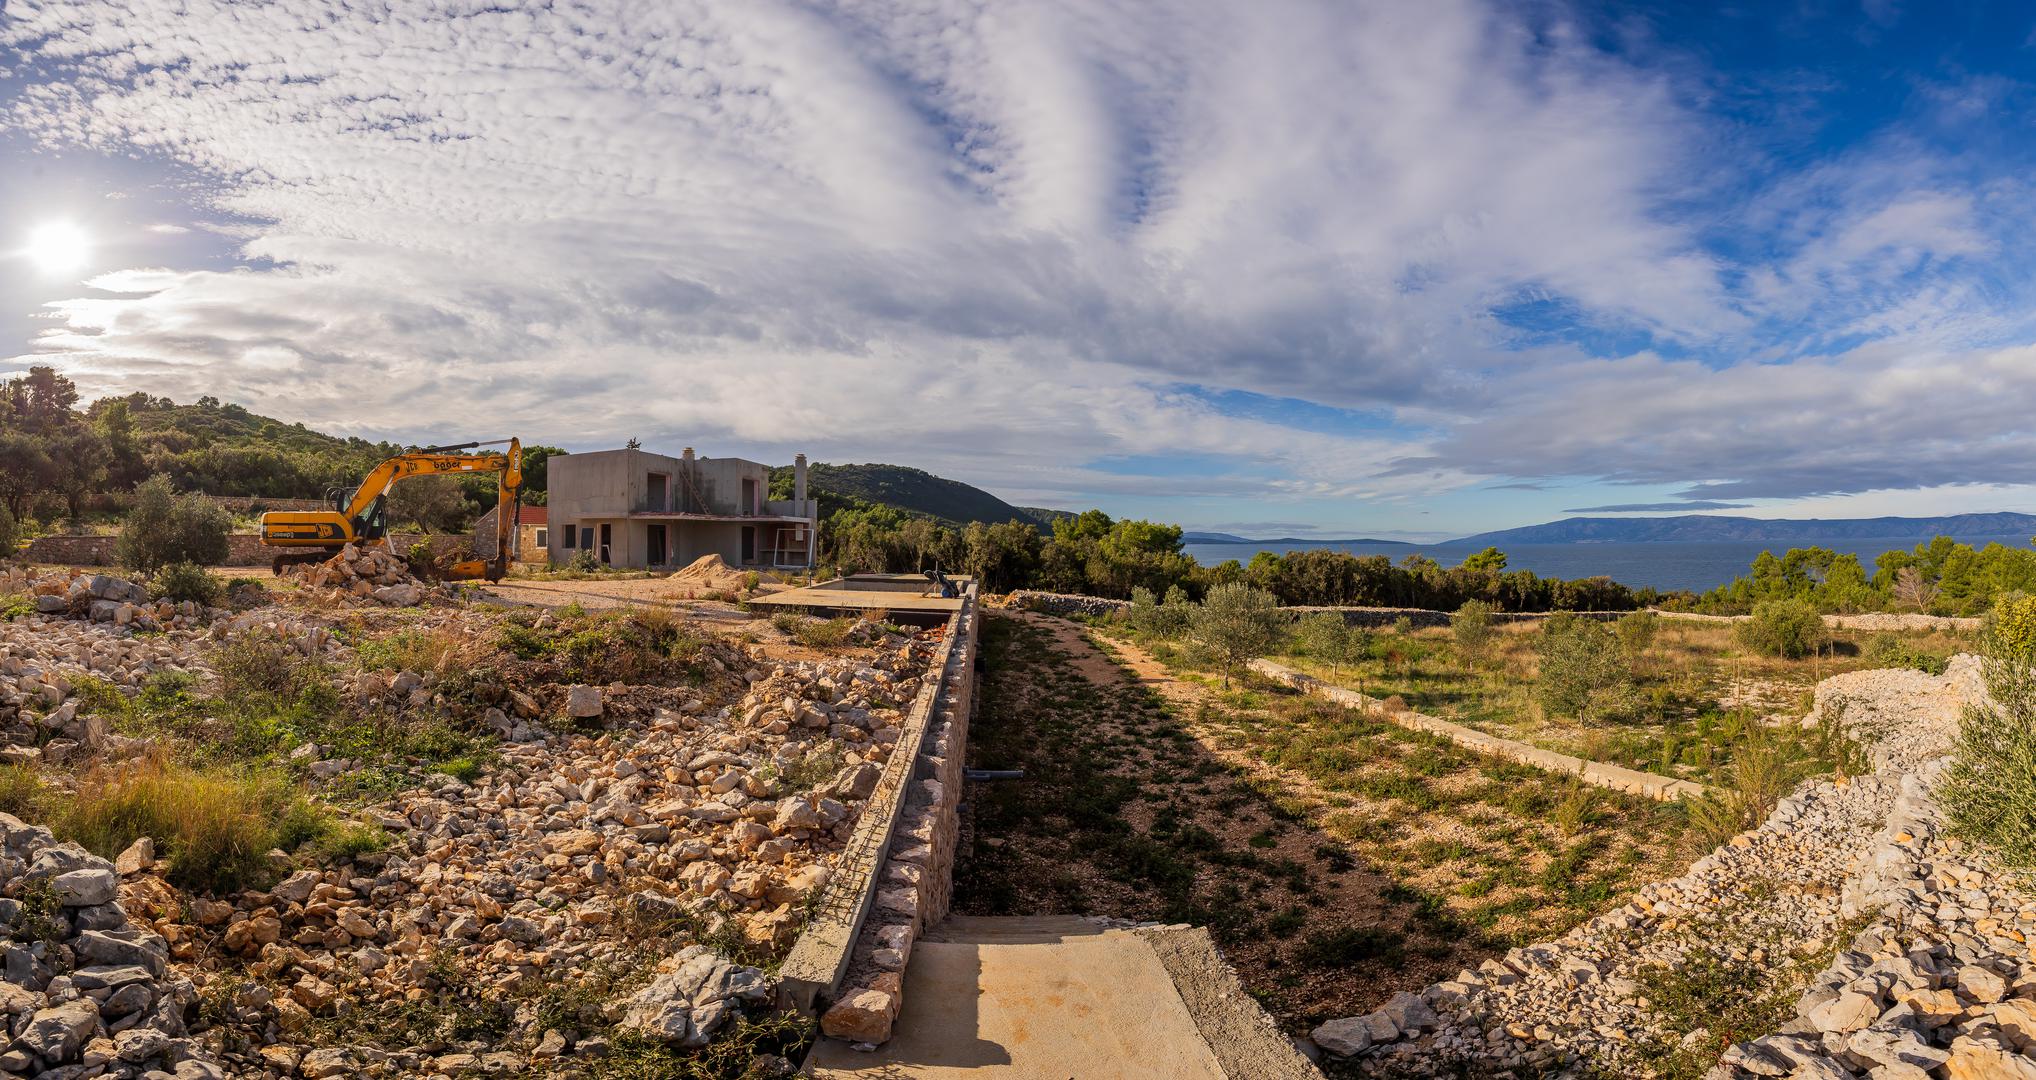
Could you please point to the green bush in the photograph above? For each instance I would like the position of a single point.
(1989, 792)
(1472, 625)
(10, 534)
(1583, 671)
(1889, 650)
(182, 581)
(1238, 624)
(2013, 623)
(1330, 640)
(164, 527)
(1636, 632)
(1790, 629)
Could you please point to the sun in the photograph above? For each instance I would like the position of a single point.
(59, 247)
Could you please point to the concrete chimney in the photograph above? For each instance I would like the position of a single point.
(799, 478)
(688, 455)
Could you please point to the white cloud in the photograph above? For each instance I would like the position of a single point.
(977, 238)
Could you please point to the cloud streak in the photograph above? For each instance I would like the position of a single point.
(994, 240)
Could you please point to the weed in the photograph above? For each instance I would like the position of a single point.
(1350, 945)
(22, 792)
(216, 827)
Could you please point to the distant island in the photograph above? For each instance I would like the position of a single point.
(1227, 538)
(1800, 531)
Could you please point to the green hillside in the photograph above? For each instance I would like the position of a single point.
(913, 490)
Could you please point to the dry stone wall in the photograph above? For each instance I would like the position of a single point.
(1596, 773)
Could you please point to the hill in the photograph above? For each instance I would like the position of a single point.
(1289, 541)
(1792, 531)
(915, 491)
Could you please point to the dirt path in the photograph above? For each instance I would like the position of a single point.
(1125, 812)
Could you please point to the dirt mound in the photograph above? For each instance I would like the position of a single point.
(707, 574)
(365, 573)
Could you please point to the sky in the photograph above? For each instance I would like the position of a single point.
(1298, 267)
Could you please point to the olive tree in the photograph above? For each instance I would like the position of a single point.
(163, 527)
(1330, 640)
(1472, 625)
(1582, 667)
(1238, 624)
(1989, 791)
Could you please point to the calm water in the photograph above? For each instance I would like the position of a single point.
(1693, 566)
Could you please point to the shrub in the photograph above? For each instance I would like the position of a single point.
(1763, 769)
(1238, 623)
(164, 527)
(1330, 640)
(215, 827)
(1889, 650)
(1472, 625)
(1989, 792)
(10, 534)
(260, 664)
(185, 581)
(1636, 632)
(824, 633)
(2013, 623)
(21, 791)
(1582, 669)
(1790, 629)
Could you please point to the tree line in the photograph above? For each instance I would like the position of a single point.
(1940, 577)
(55, 456)
(1094, 554)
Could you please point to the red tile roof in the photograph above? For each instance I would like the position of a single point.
(531, 515)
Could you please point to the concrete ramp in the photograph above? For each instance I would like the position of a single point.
(1061, 997)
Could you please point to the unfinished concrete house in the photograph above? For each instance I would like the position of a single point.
(636, 509)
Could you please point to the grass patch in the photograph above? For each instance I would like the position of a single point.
(214, 826)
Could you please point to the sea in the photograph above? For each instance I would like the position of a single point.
(1667, 565)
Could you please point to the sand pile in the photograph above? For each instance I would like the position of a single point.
(707, 574)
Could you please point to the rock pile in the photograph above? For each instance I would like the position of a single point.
(708, 821)
(74, 594)
(85, 993)
(364, 573)
(1065, 604)
(1904, 717)
(45, 660)
(1941, 985)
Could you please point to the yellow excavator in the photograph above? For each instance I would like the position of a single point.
(362, 517)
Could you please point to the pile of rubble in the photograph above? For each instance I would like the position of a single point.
(85, 992)
(74, 594)
(45, 661)
(698, 823)
(363, 573)
(1940, 984)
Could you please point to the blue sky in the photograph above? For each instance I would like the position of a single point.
(1312, 268)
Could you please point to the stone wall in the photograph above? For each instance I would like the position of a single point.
(1067, 605)
(242, 549)
(899, 862)
(1596, 773)
(917, 883)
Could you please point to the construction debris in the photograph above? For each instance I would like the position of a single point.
(362, 573)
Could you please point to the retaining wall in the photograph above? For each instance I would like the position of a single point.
(895, 876)
(1596, 773)
(242, 549)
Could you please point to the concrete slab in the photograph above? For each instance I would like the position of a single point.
(1092, 1005)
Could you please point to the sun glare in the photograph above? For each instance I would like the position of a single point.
(59, 247)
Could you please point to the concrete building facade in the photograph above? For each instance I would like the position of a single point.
(635, 509)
